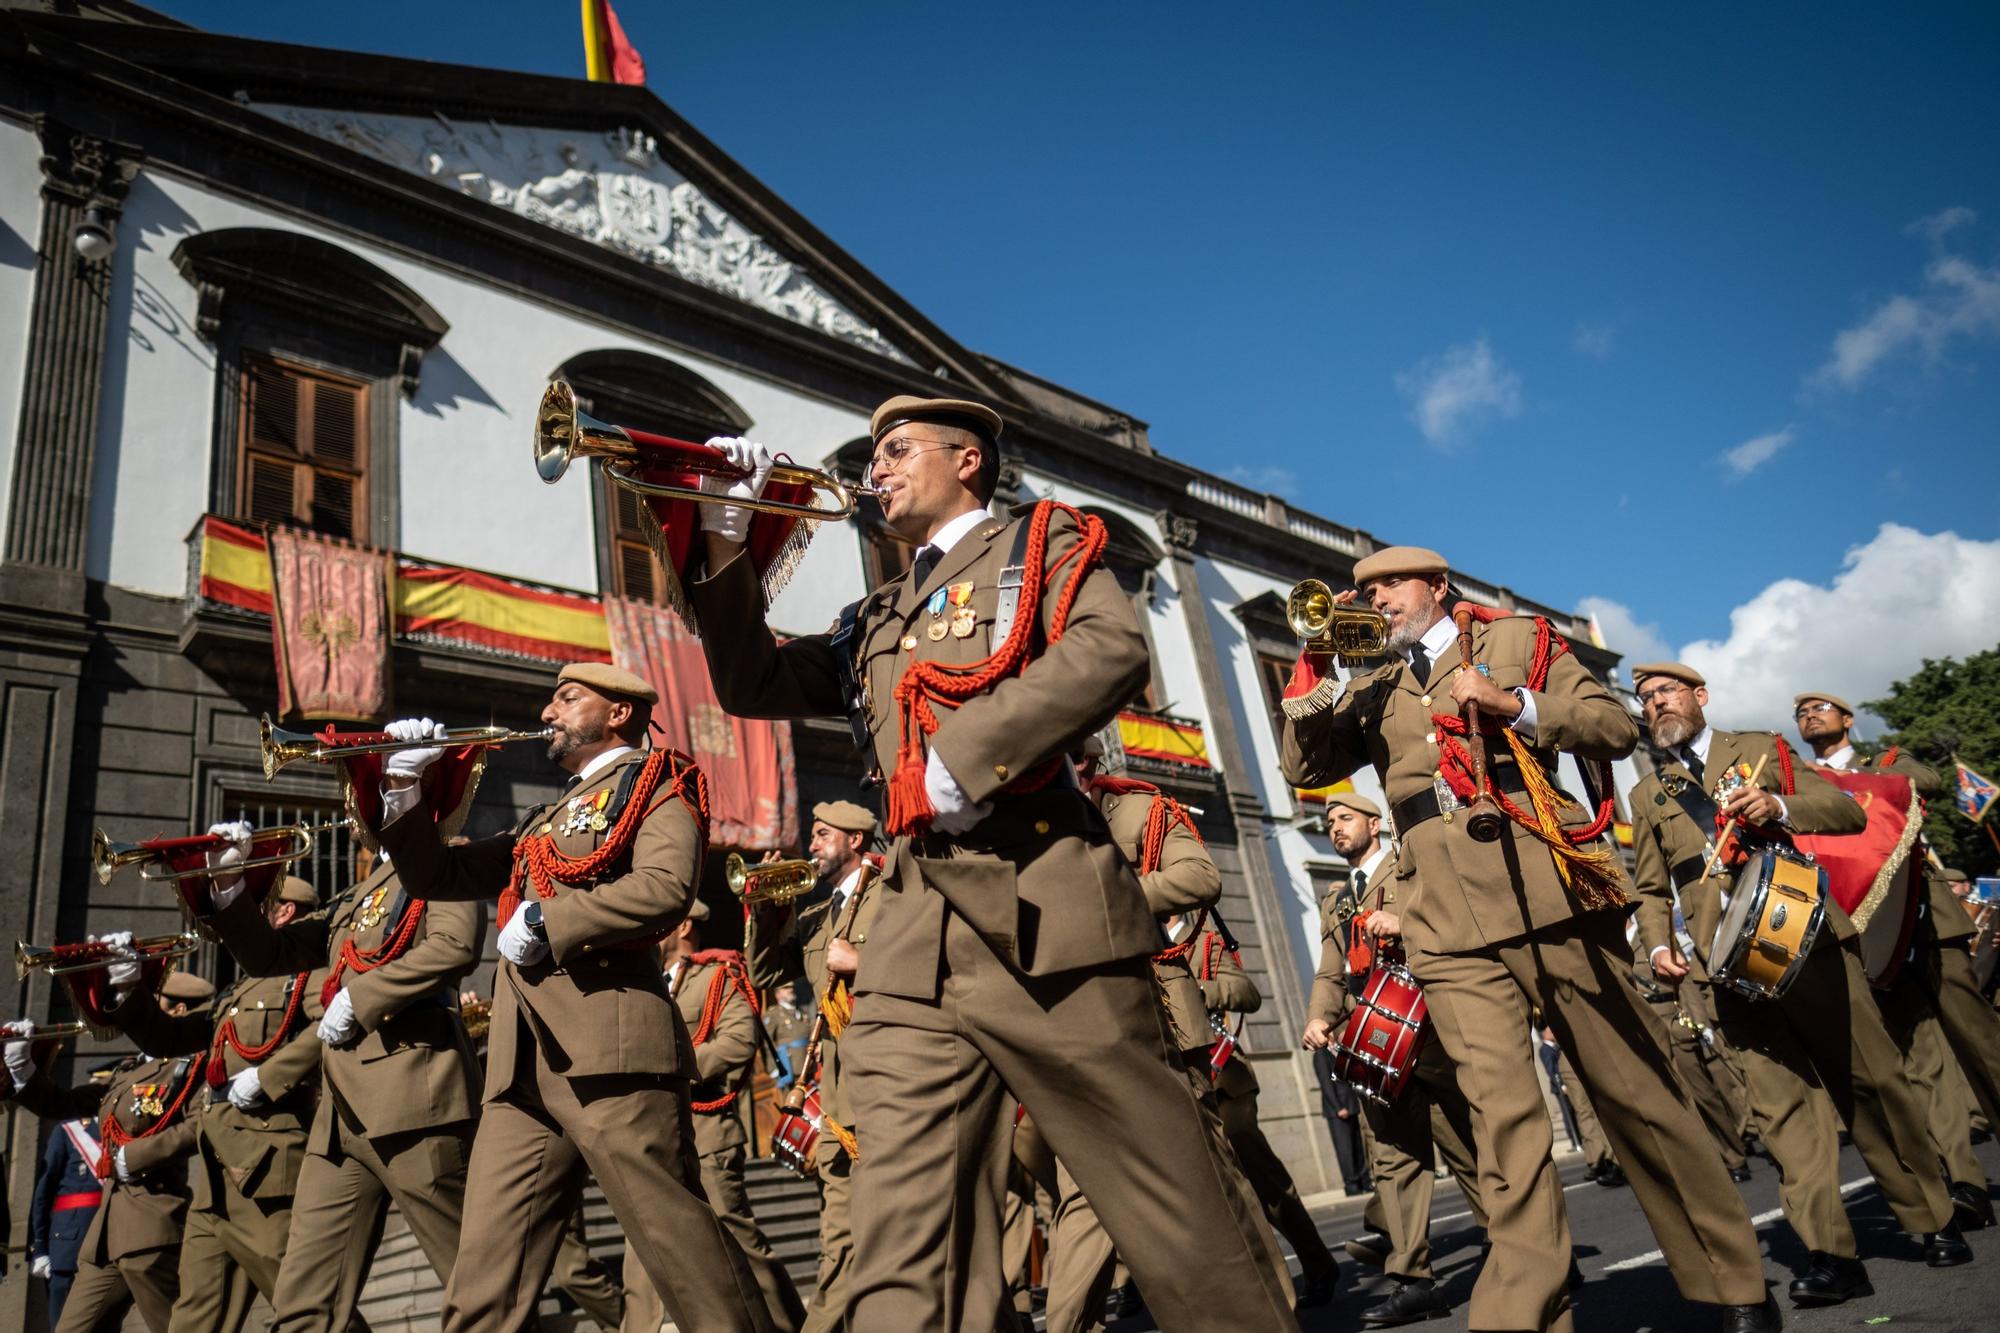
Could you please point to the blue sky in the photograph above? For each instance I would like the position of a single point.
(1553, 288)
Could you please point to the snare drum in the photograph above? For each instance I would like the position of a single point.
(795, 1137)
(1377, 1052)
(1768, 928)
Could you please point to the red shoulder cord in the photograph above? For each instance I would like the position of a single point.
(392, 947)
(730, 973)
(1888, 756)
(1212, 948)
(1456, 759)
(227, 1040)
(112, 1135)
(664, 775)
(925, 685)
(1161, 816)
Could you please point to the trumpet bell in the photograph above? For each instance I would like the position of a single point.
(1331, 626)
(773, 882)
(557, 424)
(280, 747)
(107, 857)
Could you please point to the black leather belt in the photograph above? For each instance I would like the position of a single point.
(1687, 872)
(1414, 810)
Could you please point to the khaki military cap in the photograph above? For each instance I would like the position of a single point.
(697, 910)
(1356, 802)
(1833, 699)
(187, 986)
(978, 418)
(1399, 562)
(845, 816)
(1092, 748)
(1679, 671)
(296, 890)
(609, 680)
(1953, 875)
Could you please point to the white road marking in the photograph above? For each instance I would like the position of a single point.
(1654, 1256)
(1465, 1213)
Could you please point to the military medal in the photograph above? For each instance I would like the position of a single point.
(962, 618)
(149, 1099)
(370, 914)
(936, 608)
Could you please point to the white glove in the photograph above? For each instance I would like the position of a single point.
(732, 522)
(124, 974)
(245, 1091)
(338, 1026)
(120, 1169)
(20, 1052)
(225, 889)
(955, 814)
(412, 763)
(518, 944)
(40, 1267)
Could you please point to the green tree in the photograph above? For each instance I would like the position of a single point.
(1951, 707)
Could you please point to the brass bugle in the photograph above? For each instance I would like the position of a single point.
(1335, 627)
(60, 959)
(44, 1032)
(108, 857)
(771, 882)
(283, 747)
(565, 432)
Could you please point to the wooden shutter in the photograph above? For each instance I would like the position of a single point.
(303, 456)
(635, 570)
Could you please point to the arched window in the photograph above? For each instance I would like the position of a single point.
(1134, 558)
(651, 393)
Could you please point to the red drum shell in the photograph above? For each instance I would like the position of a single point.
(795, 1137)
(1377, 1052)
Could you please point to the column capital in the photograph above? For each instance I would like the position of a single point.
(83, 169)
(1180, 532)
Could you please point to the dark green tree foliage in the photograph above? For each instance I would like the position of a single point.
(1951, 707)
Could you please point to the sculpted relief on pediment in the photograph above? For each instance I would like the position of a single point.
(610, 189)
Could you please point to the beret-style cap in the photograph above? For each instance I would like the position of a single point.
(608, 679)
(1399, 562)
(186, 986)
(845, 816)
(1679, 671)
(295, 890)
(1355, 801)
(1833, 699)
(697, 910)
(963, 412)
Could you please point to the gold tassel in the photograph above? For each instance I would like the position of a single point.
(1587, 872)
(837, 1006)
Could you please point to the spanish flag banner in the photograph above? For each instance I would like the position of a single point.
(607, 56)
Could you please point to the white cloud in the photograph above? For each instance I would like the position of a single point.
(1752, 454)
(1958, 300)
(1624, 635)
(1459, 389)
(1900, 597)
(1270, 480)
(1596, 341)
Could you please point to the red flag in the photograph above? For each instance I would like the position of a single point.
(627, 65)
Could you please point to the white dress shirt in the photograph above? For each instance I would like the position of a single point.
(1843, 758)
(952, 532)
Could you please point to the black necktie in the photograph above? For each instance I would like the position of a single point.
(927, 558)
(1420, 664)
(1360, 884)
(1694, 765)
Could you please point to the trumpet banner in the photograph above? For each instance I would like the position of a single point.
(775, 544)
(186, 855)
(449, 784)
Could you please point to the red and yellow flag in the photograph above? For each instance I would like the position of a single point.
(607, 56)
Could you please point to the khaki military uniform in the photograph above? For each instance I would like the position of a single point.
(724, 1058)
(1703, 1064)
(1493, 933)
(1011, 958)
(245, 1166)
(396, 1116)
(588, 1064)
(1824, 1030)
(131, 1255)
(779, 944)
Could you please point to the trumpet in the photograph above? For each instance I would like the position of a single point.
(773, 882)
(564, 432)
(45, 1032)
(283, 747)
(1328, 626)
(108, 857)
(61, 959)
(477, 1015)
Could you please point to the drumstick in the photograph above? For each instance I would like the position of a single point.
(1715, 857)
(1483, 821)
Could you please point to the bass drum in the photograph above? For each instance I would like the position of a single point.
(1377, 1051)
(1774, 914)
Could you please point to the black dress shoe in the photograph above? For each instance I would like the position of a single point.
(1575, 1274)
(1830, 1280)
(1370, 1247)
(1763, 1318)
(1739, 1174)
(1124, 1302)
(1946, 1248)
(1971, 1209)
(1411, 1302)
(1612, 1176)
(1314, 1288)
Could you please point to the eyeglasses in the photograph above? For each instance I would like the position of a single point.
(1820, 707)
(893, 454)
(1660, 692)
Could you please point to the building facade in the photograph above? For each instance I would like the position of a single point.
(248, 287)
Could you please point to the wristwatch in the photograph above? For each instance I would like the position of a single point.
(531, 917)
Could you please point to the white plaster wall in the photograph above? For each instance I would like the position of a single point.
(20, 230)
(469, 495)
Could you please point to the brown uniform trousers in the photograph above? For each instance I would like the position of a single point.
(1493, 933)
(780, 943)
(1824, 1030)
(245, 1166)
(1010, 959)
(579, 1275)
(1704, 1068)
(588, 1064)
(1596, 1148)
(395, 1119)
(724, 1058)
(131, 1255)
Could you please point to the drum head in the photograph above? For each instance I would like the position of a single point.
(1746, 905)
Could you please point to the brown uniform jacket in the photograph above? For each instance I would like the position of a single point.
(1460, 895)
(1948, 915)
(147, 1212)
(1228, 990)
(1664, 836)
(1039, 879)
(722, 1063)
(1186, 882)
(260, 1149)
(414, 1067)
(594, 1005)
(782, 943)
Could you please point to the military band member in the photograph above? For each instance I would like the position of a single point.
(588, 1062)
(401, 1082)
(132, 1253)
(1407, 1150)
(1933, 1002)
(1824, 1032)
(1700, 1053)
(1009, 950)
(821, 940)
(715, 996)
(1495, 928)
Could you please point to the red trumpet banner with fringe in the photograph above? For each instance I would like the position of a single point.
(449, 784)
(329, 626)
(753, 798)
(775, 544)
(188, 857)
